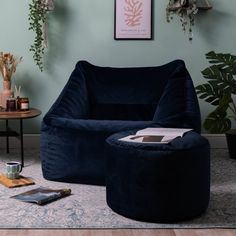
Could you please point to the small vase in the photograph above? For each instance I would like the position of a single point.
(6, 92)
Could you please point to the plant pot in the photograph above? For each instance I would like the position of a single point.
(231, 142)
(6, 92)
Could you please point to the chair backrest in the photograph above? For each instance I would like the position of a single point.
(163, 93)
(126, 93)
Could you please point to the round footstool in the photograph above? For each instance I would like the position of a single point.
(158, 182)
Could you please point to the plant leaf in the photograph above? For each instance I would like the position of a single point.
(223, 61)
(217, 122)
(209, 93)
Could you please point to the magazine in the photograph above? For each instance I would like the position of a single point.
(155, 135)
(42, 195)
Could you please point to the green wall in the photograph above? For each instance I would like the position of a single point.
(83, 29)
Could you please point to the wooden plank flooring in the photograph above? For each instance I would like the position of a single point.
(121, 232)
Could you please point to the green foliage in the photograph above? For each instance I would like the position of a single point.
(186, 11)
(37, 17)
(218, 91)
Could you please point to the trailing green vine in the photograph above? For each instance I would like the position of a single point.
(186, 10)
(37, 18)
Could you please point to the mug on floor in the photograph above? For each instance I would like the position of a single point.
(13, 169)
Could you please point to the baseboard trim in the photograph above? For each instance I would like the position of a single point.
(217, 141)
(30, 141)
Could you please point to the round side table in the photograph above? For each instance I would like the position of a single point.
(9, 132)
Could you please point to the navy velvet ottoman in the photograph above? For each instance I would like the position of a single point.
(158, 182)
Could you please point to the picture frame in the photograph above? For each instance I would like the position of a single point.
(133, 20)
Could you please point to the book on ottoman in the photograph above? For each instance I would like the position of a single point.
(155, 135)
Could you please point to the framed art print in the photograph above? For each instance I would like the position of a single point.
(133, 19)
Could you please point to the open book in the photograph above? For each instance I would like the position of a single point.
(42, 195)
(155, 135)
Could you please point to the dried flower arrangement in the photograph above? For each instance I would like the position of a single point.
(186, 10)
(8, 64)
(38, 23)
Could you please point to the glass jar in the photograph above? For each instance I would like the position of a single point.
(11, 104)
(23, 104)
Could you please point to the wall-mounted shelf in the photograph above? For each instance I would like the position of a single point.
(204, 5)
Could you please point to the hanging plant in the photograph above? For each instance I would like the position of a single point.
(186, 10)
(38, 23)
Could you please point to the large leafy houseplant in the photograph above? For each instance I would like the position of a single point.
(219, 91)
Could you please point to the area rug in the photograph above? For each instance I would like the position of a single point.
(87, 208)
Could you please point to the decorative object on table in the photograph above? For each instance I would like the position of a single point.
(11, 104)
(219, 91)
(42, 196)
(133, 19)
(186, 10)
(38, 10)
(23, 104)
(17, 95)
(13, 183)
(8, 64)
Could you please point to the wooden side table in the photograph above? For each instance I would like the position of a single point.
(9, 132)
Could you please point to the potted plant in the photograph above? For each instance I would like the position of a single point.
(186, 10)
(219, 91)
(37, 20)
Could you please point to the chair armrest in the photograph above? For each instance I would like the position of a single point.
(178, 106)
(73, 101)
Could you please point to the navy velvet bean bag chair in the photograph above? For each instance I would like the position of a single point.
(99, 101)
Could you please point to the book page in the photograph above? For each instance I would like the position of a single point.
(155, 135)
(171, 132)
(144, 139)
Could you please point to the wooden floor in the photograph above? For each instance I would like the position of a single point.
(122, 232)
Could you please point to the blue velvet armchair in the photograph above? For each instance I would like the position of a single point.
(99, 101)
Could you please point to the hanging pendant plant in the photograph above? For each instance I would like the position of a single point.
(38, 23)
(186, 10)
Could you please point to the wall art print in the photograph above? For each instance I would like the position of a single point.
(133, 19)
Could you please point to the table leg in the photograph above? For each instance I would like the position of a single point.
(7, 136)
(21, 142)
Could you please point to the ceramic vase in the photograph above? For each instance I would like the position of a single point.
(6, 93)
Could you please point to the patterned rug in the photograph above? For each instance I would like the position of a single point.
(87, 208)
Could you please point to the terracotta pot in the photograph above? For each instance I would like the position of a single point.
(6, 92)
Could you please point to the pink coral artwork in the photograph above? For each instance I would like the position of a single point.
(133, 19)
